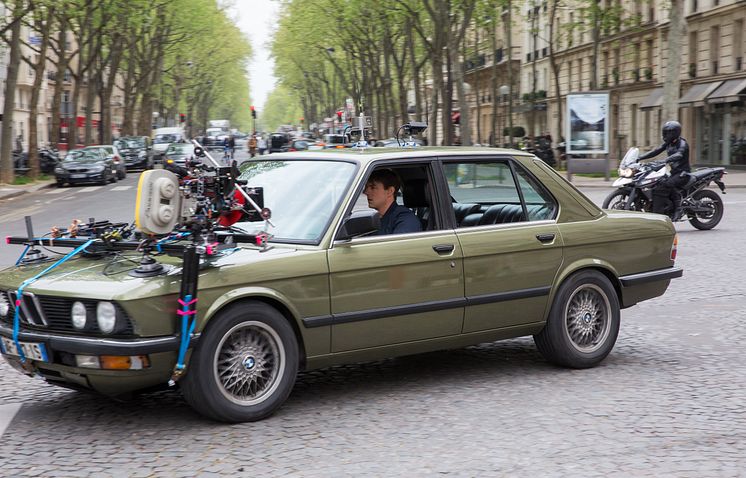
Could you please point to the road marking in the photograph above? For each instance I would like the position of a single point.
(121, 188)
(89, 189)
(57, 191)
(7, 412)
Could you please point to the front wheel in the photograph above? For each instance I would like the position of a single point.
(244, 366)
(616, 200)
(710, 210)
(583, 322)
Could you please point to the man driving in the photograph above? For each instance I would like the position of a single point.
(381, 189)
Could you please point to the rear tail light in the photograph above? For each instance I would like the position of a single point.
(674, 247)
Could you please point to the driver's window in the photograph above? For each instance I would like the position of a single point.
(402, 196)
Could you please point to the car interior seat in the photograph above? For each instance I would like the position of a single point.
(415, 196)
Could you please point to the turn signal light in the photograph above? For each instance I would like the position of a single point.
(674, 247)
(113, 362)
(339, 146)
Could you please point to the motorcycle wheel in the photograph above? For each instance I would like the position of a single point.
(616, 200)
(707, 220)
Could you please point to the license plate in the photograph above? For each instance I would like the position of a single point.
(78, 176)
(31, 350)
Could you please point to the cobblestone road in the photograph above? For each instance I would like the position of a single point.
(669, 401)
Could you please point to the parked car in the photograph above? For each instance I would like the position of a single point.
(178, 154)
(507, 248)
(86, 165)
(137, 151)
(111, 151)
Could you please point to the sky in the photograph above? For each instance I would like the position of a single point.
(257, 19)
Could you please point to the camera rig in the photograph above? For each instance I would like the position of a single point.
(185, 211)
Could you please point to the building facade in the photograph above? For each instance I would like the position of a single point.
(629, 57)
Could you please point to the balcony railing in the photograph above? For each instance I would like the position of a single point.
(692, 70)
(739, 63)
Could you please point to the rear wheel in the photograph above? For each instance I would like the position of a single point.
(711, 213)
(583, 323)
(244, 366)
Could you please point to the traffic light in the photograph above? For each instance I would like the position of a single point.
(339, 116)
(182, 117)
(253, 112)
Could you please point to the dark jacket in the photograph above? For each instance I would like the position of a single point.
(399, 220)
(678, 155)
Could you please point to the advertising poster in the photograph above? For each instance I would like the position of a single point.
(587, 123)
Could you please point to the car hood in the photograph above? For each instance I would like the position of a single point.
(108, 279)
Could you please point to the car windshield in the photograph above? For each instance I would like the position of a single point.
(164, 138)
(127, 143)
(302, 195)
(180, 148)
(84, 156)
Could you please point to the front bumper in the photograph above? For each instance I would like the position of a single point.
(82, 177)
(99, 346)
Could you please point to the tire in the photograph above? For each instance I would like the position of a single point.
(705, 222)
(256, 338)
(583, 322)
(617, 199)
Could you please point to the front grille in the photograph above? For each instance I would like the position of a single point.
(52, 313)
(77, 170)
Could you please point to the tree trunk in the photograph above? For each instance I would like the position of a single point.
(555, 66)
(7, 174)
(495, 134)
(477, 100)
(39, 67)
(509, 39)
(596, 40)
(677, 29)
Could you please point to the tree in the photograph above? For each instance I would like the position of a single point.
(676, 31)
(19, 10)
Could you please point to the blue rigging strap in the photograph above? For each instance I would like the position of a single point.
(26, 283)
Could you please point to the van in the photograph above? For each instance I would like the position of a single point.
(165, 136)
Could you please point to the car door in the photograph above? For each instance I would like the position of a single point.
(512, 248)
(395, 289)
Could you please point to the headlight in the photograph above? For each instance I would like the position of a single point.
(106, 316)
(97, 168)
(141, 154)
(626, 173)
(4, 304)
(79, 315)
(59, 171)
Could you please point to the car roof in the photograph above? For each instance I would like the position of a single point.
(370, 154)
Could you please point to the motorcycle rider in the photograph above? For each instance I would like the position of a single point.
(677, 150)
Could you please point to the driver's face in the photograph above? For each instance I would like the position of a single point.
(378, 196)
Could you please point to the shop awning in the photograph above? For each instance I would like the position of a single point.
(697, 94)
(729, 92)
(653, 100)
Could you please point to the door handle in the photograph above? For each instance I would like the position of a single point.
(545, 237)
(443, 248)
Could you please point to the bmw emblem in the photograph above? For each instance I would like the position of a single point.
(249, 362)
(587, 317)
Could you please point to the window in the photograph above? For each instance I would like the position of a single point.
(715, 48)
(693, 54)
(414, 192)
(486, 193)
(738, 44)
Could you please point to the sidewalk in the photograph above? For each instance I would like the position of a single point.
(736, 178)
(8, 191)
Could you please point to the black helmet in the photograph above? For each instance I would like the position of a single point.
(671, 131)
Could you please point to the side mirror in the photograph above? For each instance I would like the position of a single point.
(359, 224)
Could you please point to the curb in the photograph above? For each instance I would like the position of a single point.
(21, 192)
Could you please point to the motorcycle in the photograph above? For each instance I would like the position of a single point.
(702, 207)
(48, 159)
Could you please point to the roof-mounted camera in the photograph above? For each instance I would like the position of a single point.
(411, 128)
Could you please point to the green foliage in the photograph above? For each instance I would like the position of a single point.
(282, 107)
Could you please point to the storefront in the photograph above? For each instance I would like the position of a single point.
(719, 117)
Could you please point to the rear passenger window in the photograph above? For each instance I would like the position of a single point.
(485, 193)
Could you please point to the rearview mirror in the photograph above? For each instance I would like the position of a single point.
(360, 223)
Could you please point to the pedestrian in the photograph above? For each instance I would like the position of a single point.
(231, 144)
(261, 144)
(252, 145)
